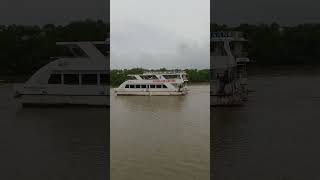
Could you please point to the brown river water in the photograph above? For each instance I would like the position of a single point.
(151, 138)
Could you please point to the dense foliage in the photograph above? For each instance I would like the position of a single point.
(118, 76)
(24, 49)
(275, 44)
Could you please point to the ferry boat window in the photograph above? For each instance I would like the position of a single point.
(78, 52)
(131, 86)
(239, 48)
(217, 49)
(164, 86)
(55, 79)
(148, 77)
(131, 78)
(89, 79)
(103, 48)
(63, 51)
(71, 50)
(143, 86)
(138, 86)
(127, 86)
(171, 76)
(152, 86)
(72, 79)
(104, 79)
(158, 86)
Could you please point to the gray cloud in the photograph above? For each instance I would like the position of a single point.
(287, 12)
(154, 34)
(41, 12)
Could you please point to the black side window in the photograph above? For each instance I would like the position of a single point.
(131, 86)
(164, 86)
(143, 86)
(104, 79)
(89, 79)
(103, 48)
(71, 79)
(55, 79)
(138, 86)
(127, 86)
(158, 86)
(152, 86)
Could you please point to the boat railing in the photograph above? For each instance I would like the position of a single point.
(163, 72)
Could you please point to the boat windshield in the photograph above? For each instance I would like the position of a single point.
(148, 77)
(176, 76)
(71, 51)
(239, 49)
(131, 78)
(217, 48)
(103, 48)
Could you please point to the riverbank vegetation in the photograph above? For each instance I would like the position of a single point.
(24, 49)
(117, 76)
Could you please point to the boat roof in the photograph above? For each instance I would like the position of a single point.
(81, 42)
(227, 35)
(88, 47)
(173, 72)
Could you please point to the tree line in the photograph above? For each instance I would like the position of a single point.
(24, 49)
(118, 76)
(272, 44)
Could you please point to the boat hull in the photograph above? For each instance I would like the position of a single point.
(73, 95)
(226, 100)
(151, 93)
(56, 100)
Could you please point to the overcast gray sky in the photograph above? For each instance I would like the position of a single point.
(155, 34)
(39, 12)
(286, 12)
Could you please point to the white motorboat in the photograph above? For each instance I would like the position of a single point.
(168, 83)
(81, 78)
(229, 84)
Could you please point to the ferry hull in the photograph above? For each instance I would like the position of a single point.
(226, 100)
(150, 93)
(57, 100)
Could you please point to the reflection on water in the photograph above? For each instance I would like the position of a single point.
(160, 137)
(52, 143)
(275, 135)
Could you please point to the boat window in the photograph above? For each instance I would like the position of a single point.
(158, 86)
(143, 86)
(217, 48)
(171, 76)
(164, 86)
(138, 86)
(131, 78)
(78, 52)
(149, 77)
(239, 48)
(89, 79)
(152, 86)
(103, 48)
(127, 86)
(55, 79)
(63, 51)
(131, 86)
(72, 79)
(71, 50)
(104, 79)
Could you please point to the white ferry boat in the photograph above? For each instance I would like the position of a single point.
(169, 83)
(79, 78)
(229, 84)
